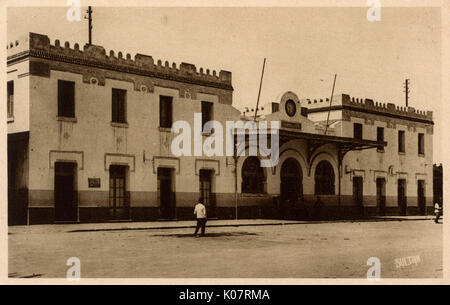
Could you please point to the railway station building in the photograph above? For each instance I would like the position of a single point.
(89, 140)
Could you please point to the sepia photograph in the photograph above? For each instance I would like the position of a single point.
(225, 141)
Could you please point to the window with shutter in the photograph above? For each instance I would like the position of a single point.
(10, 99)
(380, 137)
(401, 141)
(357, 131)
(66, 99)
(165, 111)
(118, 104)
(421, 144)
(207, 115)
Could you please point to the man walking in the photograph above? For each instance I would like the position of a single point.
(200, 212)
(437, 212)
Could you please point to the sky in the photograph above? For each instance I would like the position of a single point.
(303, 47)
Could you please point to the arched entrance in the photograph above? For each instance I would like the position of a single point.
(253, 178)
(324, 179)
(291, 189)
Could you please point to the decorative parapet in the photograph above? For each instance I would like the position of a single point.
(367, 105)
(38, 45)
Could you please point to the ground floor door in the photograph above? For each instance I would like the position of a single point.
(381, 196)
(421, 196)
(358, 195)
(291, 190)
(166, 194)
(206, 192)
(401, 196)
(18, 178)
(119, 207)
(66, 205)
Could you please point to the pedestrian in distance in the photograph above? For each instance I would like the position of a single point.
(437, 212)
(200, 213)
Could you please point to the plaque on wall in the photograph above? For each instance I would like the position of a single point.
(94, 182)
(293, 125)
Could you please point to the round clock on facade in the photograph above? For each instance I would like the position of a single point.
(291, 108)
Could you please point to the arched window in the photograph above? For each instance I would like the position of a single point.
(324, 179)
(253, 178)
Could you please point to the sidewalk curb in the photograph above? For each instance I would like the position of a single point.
(247, 224)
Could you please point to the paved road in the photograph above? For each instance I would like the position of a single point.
(406, 249)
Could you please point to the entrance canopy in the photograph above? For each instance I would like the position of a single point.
(344, 144)
(314, 141)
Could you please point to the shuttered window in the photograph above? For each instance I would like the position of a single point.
(165, 111)
(401, 141)
(357, 131)
(119, 105)
(421, 144)
(380, 137)
(66, 99)
(207, 113)
(10, 99)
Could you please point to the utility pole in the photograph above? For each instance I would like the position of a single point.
(89, 11)
(259, 92)
(331, 100)
(406, 86)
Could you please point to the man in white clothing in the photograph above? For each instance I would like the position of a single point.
(437, 212)
(200, 212)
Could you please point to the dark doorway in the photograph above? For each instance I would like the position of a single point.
(291, 190)
(66, 205)
(206, 192)
(119, 208)
(253, 178)
(18, 168)
(401, 196)
(324, 179)
(381, 196)
(166, 195)
(358, 195)
(421, 196)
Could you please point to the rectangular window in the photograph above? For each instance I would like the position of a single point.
(207, 112)
(421, 143)
(357, 131)
(380, 137)
(119, 106)
(401, 141)
(10, 99)
(165, 111)
(66, 99)
(275, 107)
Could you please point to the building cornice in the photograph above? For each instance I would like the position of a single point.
(38, 46)
(370, 111)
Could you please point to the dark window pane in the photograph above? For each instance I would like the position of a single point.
(401, 141)
(380, 136)
(275, 107)
(66, 99)
(10, 99)
(421, 143)
(165, 111)
(207, 114)
(357, 131)
(119, 105)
